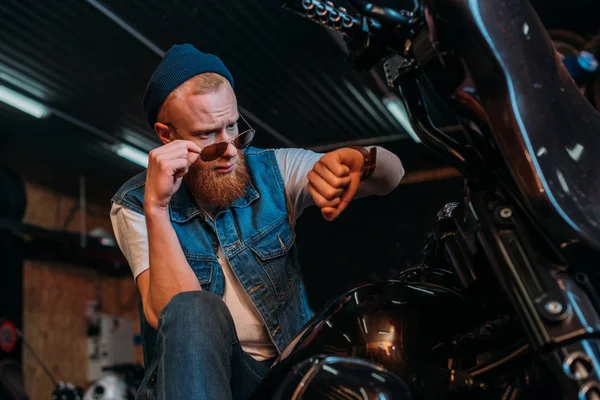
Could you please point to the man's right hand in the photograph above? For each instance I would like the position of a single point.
(169, 271)
(166, 167)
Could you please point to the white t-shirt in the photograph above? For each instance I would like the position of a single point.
(132, 237)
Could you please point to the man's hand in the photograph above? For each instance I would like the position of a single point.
(334, 180)
(166, 167)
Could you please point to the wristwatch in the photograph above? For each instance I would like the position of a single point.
(370, 162)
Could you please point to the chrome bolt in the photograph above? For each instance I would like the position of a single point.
(322, 11)
(347, 22)
(308, 5)
(553, 307)
(506, 213)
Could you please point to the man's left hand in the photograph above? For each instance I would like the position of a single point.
(334, 181)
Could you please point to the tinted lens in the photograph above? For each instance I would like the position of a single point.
(244, 139)
(213, 151)
(216, 150)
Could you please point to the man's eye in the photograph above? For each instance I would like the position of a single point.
(232, 126)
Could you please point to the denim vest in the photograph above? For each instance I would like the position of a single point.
(254, 234)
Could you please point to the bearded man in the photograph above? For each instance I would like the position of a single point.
(208, 231)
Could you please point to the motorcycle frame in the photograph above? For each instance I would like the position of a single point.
(559, 315)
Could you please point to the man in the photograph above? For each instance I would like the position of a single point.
(208, 232)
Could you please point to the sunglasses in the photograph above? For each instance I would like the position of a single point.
(216, 150)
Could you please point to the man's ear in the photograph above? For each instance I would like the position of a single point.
(164, 132)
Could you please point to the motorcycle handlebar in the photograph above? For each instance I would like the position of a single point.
(370, 17)
(384, 14)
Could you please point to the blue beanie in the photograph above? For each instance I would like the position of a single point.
(180, 63)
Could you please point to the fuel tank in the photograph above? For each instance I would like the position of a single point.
(331, 377)
(396, 325)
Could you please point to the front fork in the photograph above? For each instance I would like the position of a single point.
(556, 314)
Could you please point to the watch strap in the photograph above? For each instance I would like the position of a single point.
(370, 160)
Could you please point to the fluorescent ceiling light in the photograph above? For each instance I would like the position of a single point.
(23, 103)
(396, 108)
(132, 154)
(22, 82)
(139, 140)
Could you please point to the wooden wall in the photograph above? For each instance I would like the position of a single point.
(56, 294)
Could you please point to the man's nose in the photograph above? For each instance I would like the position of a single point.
(231, 151)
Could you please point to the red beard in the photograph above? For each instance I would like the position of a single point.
(216, 189)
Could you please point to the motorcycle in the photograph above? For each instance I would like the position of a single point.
(505, 304)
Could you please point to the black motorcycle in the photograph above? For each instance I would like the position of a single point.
(505, 304)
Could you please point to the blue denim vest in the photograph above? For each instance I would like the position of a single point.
(256, 237)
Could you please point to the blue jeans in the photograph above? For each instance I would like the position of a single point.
(198, 355)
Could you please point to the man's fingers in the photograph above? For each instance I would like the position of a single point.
(322, 187)
(348, 195)
(333, 163)
(329, 213)
(192, 151)
(330, 210)
(181, 172)
(192, 147)
(192, 157)
(176, 167)
(328, 207)
(319, 200)
(179, 149)
(333, 180)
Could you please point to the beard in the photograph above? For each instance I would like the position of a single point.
(216, 189)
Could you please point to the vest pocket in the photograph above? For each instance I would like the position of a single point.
(272, 252)
(203, 269)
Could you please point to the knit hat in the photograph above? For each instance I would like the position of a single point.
(180, 63)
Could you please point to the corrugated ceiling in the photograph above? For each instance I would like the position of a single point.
(89, 60)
